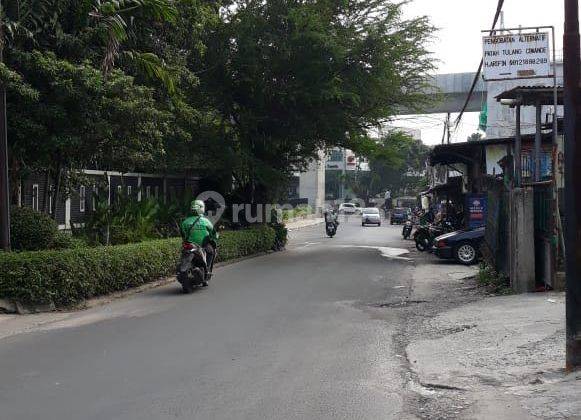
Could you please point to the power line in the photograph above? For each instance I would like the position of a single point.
(477, 75)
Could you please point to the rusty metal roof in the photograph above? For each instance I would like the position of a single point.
(531, 95)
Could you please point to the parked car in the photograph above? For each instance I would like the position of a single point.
(462, 245)
(370, 216)
(348, 208)
(399, 215)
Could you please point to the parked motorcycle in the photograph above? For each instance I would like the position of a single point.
(193, 269)
(424, 235)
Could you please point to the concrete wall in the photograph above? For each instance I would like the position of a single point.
(312, 184)
(522, 240)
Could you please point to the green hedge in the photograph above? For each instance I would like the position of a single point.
(31, 230)
(70, 276)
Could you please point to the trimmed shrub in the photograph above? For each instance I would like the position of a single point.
(31, 230)
(281, 237)
(64, 240)
(240, 243)
(70, 276)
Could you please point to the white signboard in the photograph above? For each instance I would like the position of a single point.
(518, 56)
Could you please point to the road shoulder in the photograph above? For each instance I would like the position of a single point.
(478, 356)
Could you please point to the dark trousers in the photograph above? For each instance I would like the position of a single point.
(210, 256)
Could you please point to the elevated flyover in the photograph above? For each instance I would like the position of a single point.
(450, 92)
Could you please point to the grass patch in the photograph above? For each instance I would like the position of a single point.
(495, 282)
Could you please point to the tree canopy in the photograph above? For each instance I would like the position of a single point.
(244, 90)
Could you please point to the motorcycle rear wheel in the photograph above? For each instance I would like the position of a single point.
(422, 243)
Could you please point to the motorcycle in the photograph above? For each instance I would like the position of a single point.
(407, 230)
(193, 269)
(331, 229)
(424, 235)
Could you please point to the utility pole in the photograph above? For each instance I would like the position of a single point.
(4, 187)
(448, 123)
(571, 62)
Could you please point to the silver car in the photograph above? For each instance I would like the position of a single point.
(370, 216)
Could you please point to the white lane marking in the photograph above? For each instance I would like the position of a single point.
(307, 244)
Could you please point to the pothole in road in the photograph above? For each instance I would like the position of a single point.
(400, 304)
(387, 252)
(458, 329)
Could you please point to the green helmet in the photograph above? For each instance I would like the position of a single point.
(198, 207)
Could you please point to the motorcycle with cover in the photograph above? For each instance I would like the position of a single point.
(194, 269)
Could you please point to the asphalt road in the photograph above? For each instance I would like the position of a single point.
(291, 335)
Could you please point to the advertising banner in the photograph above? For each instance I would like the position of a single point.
(476, 210)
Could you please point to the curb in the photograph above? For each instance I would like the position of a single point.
(315, 223)
(20, 309)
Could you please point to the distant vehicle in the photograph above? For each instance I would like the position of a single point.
(348, 208)
(370, 216)
(405, 202)
(399, 215)
(462, 246)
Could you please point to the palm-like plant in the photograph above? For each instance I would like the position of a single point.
(115, 18)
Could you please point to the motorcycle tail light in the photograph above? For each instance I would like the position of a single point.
(187, 246)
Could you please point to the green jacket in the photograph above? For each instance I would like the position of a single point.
(198, 230)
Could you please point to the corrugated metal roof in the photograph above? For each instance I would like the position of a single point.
(532, 94)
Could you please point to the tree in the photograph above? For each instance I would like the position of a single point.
(475, 136)
(398, 164)
(81, 119)
(291, 78)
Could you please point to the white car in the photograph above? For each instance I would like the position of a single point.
(348, 208)
(370, 216)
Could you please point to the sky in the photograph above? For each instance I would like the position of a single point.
(457, 46)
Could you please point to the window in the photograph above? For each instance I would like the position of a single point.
(35, 197)
(156, 191)
(119, 192)
(148, 192)
(95, 197)
(50, 194)
(82, 198)
(129, 190)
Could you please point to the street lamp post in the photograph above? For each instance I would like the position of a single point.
(4, 187)
(571, 62)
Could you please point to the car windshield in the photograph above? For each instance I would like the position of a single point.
(400, 211)
(371, 211)
(348, 205)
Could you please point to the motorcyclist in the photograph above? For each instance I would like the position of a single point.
(197, 229)
(331, 216)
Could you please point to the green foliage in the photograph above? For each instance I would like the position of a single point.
(64, 240)
(297, 212)
(70, 276)
(242, 91)
(31, 230)
(240, 243)
(293, 78)
(128, 220)
(281, 234)
(393, 161)
(495, 282)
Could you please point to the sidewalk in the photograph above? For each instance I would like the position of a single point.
(303, 223)
(497, 357)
